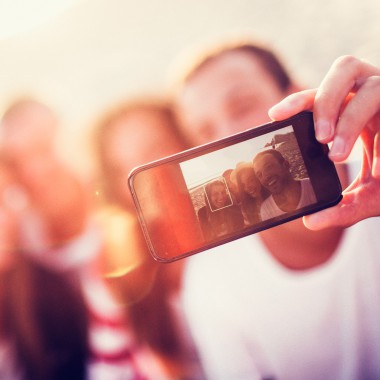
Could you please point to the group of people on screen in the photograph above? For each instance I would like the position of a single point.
(251, 193)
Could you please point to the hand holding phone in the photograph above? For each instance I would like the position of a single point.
(354, 84)
(230, 188)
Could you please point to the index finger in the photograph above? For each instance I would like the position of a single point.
(346, 75)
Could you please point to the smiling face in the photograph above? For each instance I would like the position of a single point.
(230, 94)
(273, 173)
(250, 184)
(218, 195)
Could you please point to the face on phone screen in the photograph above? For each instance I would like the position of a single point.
(232, 188)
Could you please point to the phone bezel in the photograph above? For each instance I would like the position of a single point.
(314, 154)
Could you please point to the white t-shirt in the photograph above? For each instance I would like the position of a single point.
(269, 208)
(252, 318)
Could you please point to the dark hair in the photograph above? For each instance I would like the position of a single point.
(273, 152)
(45, 318)
(268, 59)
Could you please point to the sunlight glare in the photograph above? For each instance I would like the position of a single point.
(21, 16)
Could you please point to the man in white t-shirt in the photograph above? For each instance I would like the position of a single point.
(289, 302)
(287, 193)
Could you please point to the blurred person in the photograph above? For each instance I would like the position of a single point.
(286, 193)
(28, 130)
(219, 216)
(55, 232)
(150, 116)
(252, 193)
(43, 318)
(135, 132)
(232, 186)
(297, 303)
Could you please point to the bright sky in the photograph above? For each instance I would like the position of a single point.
(19, 16)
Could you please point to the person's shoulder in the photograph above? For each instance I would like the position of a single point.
(360, 246)
(369, 227)
(305, 181)
(306, 185)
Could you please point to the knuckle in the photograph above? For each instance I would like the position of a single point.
(347, 61)
(371, 88)
(373, 82)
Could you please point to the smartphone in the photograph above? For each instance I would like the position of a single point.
(218, 192)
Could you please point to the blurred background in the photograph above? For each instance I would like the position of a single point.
(82, 56)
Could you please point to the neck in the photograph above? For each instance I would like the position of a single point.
(298, 248)
(289, 198)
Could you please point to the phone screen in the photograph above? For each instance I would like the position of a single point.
(243, 184)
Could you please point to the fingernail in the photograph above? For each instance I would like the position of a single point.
(311, 221)
(323, 131)
(338, 148)
(272, 111)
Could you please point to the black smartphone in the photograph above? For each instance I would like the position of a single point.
(230, 188)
